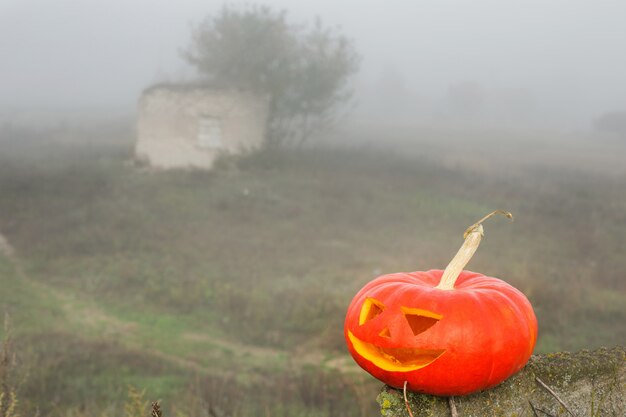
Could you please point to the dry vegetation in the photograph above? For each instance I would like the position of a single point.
(223, 293)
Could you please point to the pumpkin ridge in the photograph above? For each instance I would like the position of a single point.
(488, 321)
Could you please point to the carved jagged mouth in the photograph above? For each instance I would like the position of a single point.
(395, 359)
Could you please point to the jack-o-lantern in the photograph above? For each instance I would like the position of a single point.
(449, 332)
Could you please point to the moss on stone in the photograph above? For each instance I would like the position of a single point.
(591, 383)
(565, 368)
(389, 402)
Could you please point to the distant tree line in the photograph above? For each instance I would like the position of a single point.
(612, 122)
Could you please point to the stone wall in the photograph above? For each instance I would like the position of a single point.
(589, 383)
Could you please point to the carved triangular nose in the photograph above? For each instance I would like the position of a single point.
(385, 333)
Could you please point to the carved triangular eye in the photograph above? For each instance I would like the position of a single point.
(420, 320)
(420, 324)
(371, 309)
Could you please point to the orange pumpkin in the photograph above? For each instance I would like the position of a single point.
(449, 332)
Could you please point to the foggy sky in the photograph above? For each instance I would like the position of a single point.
(565, 58)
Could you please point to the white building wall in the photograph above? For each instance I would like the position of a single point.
(188, 127)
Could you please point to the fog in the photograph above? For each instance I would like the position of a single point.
(537, 63)
(202, 247)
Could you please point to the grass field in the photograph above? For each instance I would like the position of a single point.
(227, 289)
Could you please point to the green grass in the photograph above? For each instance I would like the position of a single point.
(243, 274)
(65, 370)
(28, 308)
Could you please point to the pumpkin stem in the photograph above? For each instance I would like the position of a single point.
(472, 236)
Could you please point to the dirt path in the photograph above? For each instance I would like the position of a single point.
(8, 251)
(85, 314)
(91, 316)
(299, 358)
(5, 248)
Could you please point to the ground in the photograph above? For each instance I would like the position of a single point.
(233, 284)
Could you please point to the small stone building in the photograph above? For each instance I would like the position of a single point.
(188, 126)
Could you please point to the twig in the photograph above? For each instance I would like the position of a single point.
(547, 388)
(545, 412)
(156, 409)
(452, 407)
(406, 401)
(533, 408)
